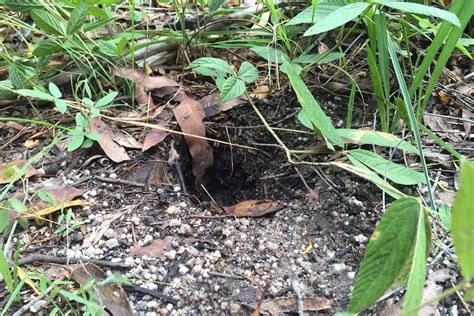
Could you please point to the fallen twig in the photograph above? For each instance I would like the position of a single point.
(65, 260)
(152, 293)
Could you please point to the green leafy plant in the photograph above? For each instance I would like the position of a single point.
(231, 83)
(66, 224)
(81, 135)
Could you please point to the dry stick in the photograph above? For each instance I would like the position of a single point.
(152, 293)
(65, 260)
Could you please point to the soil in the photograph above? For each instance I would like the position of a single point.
(214, 264)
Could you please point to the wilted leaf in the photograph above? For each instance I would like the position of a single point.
(8, 171)
(156, 249)
(111, 295)
(152, 172)
(146, 81)
(154, 137)
(60, 195)
(126, 140)
(112, 150)
(49, 210)
(212, 104)
(189, 115)
(31, 143)
(253, 208)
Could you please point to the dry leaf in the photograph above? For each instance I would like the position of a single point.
(289, 305)
(31, 143)
(432, 289)
(436, 123)
(156, 249)
(14, 125)
(253, 208)
(147, 82)
(112, 150)
(212, 104)
(153, 138)
(189, 115)
(62, 194)
(153, 172)
(33, 213)
(111, 295)
(260, 92)
(7, 171)
(125, 140)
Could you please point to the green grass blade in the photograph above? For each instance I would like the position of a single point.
(411, 116)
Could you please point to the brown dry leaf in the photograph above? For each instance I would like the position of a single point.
(313, 196)
(125, 140)
(153, 138)
(147, 82)
(466, 114)
(436, 123)
(260, 92)
(189, 115)
(14, 125)
(7, 171)
(32, 213)
(212, 104)
(156, 249)
(112, 150)
(153, 172)
(143, 98)
(432, 289)
(31, 143)
(62, 194)
(289, 305)
(111, 295)
(253, 208)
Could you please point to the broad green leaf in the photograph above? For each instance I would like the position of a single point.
(337, 18)
(77, 18)
(395, 172)
(212, 63)
(206, 71)
(463, 220)
(389, 248)
(323, 9)
(248, 72)
(363, 137)
(60, 105)
(17, 205)
(107, 47)
(220, 80)
(270, 54)
(106, 100)
(35, 94)
(416, 8)
(215, 4)
(23, 5)
(318, 58)
(75, 142)
(48, 22)
(444, 214)
(416, 276)
(80, 120)
(54, 90)
(93, 136)
(46, 47)
(46, 197)
(232, 88)
(311, 107)
(5, 89)
(87, 143)
(21, 76)
(4, 217)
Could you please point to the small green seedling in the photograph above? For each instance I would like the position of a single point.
(231, 83)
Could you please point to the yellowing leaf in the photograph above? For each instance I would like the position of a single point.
(49, 210)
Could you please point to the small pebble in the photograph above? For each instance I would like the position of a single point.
(112, 243)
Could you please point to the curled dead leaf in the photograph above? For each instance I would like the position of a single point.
(114, 151)
(189, 115)
(253, 208)
(156, 249)
(8, 171)
(111, 295)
